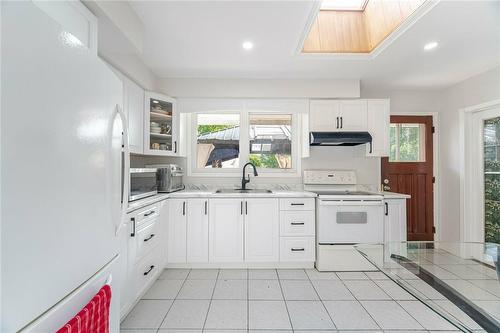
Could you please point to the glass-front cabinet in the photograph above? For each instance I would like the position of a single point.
(161, 126)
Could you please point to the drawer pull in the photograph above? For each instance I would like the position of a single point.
(149, 213)
(297, 204)
(297, 223)
(132, 234)
(297, 249)
(149, 270)
(151, 236)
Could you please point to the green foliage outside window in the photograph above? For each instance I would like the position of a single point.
(264, 160)
(492, 180)
(203, 129)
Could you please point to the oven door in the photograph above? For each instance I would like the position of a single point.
(350, 221)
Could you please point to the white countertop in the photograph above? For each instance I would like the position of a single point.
(393, 195)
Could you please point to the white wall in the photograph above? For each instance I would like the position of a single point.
(476, 90)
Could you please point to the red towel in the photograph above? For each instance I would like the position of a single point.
(94, 317)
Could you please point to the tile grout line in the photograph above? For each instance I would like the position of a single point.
(284, 301)
(211, 299)
(322, 303)
(173, 301)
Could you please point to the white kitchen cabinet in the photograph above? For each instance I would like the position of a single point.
(395, 220)
(323, 115)
(161, 125)
(197, 231)
(134, 109)
(177, 231)
(379, 127)
(261, 230)
(353, 115)
(226, 230)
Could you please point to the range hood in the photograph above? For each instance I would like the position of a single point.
(340, 139)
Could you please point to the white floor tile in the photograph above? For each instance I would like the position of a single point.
(186, 314)
(292, 274)
(366, 290)
(352, 275)
(489, 272)
(224, 331)
(227, 314)
(470, 291)
(147, 314)
(174, 274)
(262, 274)
(492, 307)
(332, 290)
(233, 274)
(393, 290)
(464, 272)
(314, 274)
(491, 286)
(439, 272)
(309, 315)
(425, 316)
(390, 315)
(377, 275)
(274, 331)
(197, 289)
(349, 315)
(264, 290)
(203, 274)
(164, 289)
(452, 309)
(137, 331)
(167, 330)
(425, 289)
(230, 289)
(298, 290)
(268, 315)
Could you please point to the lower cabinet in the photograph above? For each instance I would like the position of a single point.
(262, 230)
(226, 230)
(395, 220)
(177, 231)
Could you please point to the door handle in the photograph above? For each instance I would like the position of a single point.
(386, 188)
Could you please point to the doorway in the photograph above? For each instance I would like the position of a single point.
(409, 170)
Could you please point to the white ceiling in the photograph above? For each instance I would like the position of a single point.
(191, 39)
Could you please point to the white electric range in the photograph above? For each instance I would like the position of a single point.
(344, 217)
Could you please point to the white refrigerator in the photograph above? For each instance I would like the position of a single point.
(62, 166)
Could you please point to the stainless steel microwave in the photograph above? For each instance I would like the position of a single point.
(142, 183)
(168, 177)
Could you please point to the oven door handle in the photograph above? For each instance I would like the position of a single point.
(351, 202)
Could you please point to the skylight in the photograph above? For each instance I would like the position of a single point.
(343, 4)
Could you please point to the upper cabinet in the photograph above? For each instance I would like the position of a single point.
(161, 125)
(360, 115)
(133, 106)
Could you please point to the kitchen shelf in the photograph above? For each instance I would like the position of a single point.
(160, 116)
(160, 136)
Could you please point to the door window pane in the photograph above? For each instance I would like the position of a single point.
(218, 141)
(407, 143)
(491, 139)
(271, 141)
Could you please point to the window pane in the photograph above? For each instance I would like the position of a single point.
(491, 137)
(271, 141)
(407, 143)
(218, 143)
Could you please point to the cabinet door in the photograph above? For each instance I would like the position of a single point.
(176, 251)
(161, 125)
(261, 230)
(134, 102)
(395, 220)
(323, 115)
(225, 230)
(378, 126)
(353, 115)
(197, 230)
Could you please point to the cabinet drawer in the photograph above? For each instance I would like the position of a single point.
(147, 238)
(297, 204)
(297, 223)
(147, 214)
(145, 272)
(297, 249)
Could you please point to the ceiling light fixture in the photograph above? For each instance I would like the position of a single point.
(247, 45)
(430, 46)
(156, 102)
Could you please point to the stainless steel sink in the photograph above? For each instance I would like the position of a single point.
(240, 190)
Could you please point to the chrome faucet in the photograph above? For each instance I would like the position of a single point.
(245, 181)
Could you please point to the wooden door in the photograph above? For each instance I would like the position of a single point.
(409, 170)
(197, 230)
(262, 230)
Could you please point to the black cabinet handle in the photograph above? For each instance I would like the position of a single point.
(246, 207)
(297, 223)
(386, 208)
(294, 249)
(206, 208)
(149, 270)
(150, 236)
(297, 204)
(149, 213)
(337, 122)
(241, 207)
(184, 208)
(132, 234)
(341, 122)
(175, 146)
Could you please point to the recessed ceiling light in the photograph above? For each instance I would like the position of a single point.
(430, 46)
(156, 102)
(247, 45)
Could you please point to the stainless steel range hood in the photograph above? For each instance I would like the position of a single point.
(340, 139)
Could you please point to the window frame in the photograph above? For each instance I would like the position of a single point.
(246, 108)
